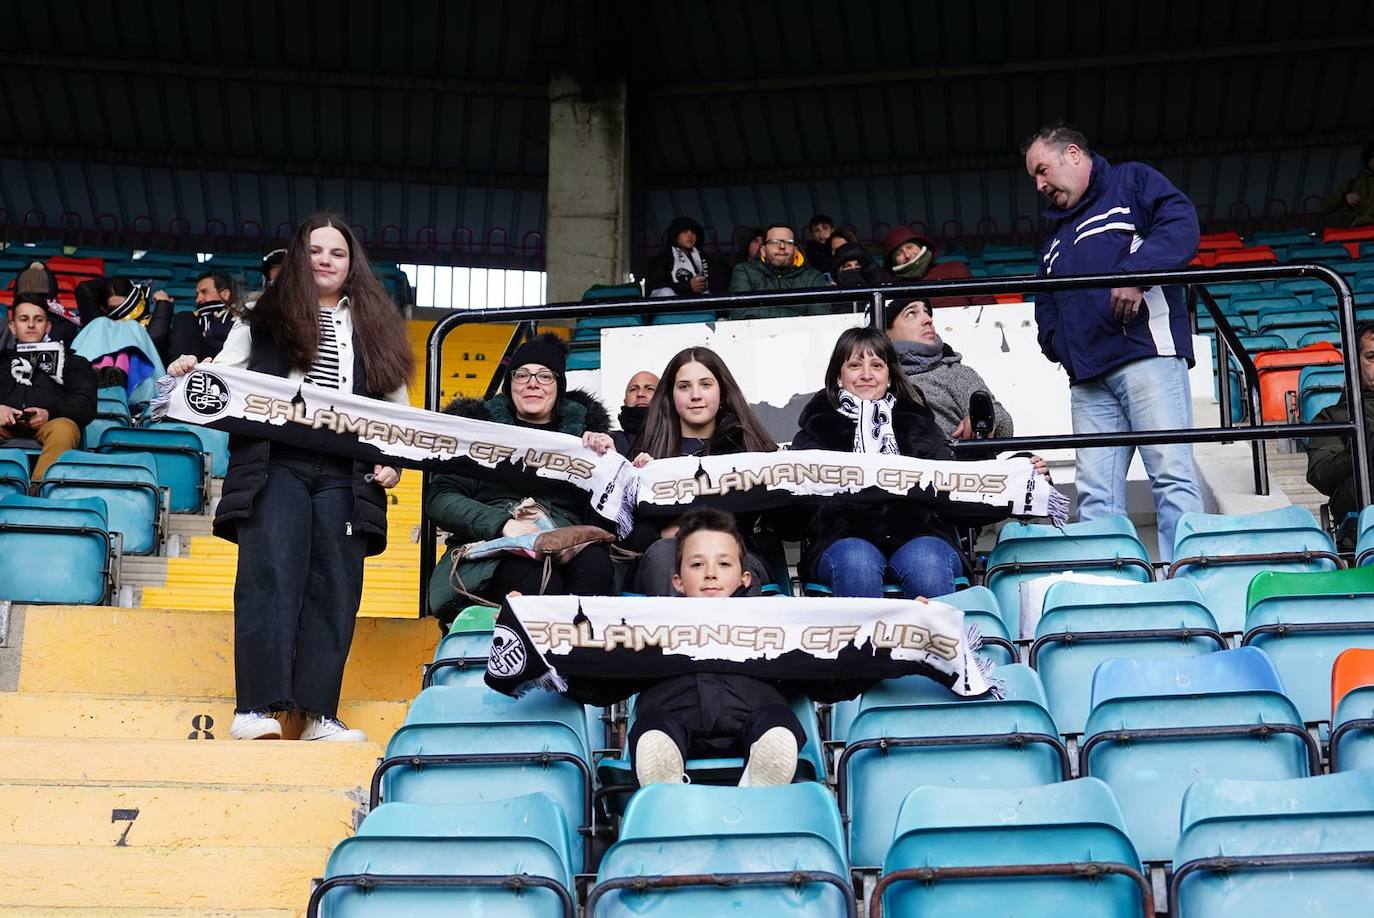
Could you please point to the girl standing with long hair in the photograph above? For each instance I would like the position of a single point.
(303, 520)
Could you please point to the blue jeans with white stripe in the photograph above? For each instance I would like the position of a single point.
(1147, 394)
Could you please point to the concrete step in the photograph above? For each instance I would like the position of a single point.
(125, 762)
(153, 816)
(76, 714)
(232, 880)
(108, 650)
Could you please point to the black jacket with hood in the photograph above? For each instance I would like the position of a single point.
(22, 385)
(659, 272)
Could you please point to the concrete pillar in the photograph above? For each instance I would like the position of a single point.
(588, 198)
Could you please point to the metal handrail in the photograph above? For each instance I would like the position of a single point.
(874, 299)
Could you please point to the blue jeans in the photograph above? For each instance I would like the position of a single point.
(1148, 394)
(924, 566)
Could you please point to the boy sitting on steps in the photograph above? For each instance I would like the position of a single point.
(710, 715)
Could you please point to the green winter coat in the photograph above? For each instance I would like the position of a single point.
(1362, 214)
(756, 277)
(474, 511)
(1328, 458)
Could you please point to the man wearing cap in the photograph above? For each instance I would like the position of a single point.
(1127, 350)
(46, 394)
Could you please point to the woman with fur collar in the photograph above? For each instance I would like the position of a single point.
(534, 395)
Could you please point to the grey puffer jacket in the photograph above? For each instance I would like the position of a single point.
(947, 387)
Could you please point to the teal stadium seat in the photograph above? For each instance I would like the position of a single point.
(981, 609)
(465, 744)
(1364, 543)
(500, 857)
(126, 482)
(1255, 849)
(683, 318)
(1221, 554)
(139, 271)
(912, 732)
(1318, 252)
(1318, 388)
(781, 848)
(214, 443)
(1058, 849)
(1252, 303)
(14, 472)
(1157, 725)
(460, 659)
(66, 542)
(1084, 624)
(1025, 551)
(1304, 621)
(181, 463)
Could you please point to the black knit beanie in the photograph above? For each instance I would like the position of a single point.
(547, 350)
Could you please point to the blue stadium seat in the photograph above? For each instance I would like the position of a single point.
(1364, 543)
(1221, 554)
(115, 393)
(66, 542)
(589, 327)
(1255, 849)
(113, 409)
(1251, 304)
(460, 659)
(1318, 387)
(181, 464)
(1318, 252)
(1157, 725)
(945, 835)
(521, 841)
(1304, 621)
(913, 732)
(126, 482)
(162, 257)
(462, 744)
(1026, 550)
(584, 360)
(139, 271)
(1254, 344)
(683, 318)
(14, 472)
(213, 442)
(981, 609)
(1301, 287)
(1329, 334)
(1086, 623)
(1352, 731)
(772, 833)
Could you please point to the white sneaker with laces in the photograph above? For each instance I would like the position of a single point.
(658, 760)
(772, 759)
(330, 730)
(255, 725)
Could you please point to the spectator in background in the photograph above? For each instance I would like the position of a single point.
(852, 266)
(937, 370)
(639, 392)
(821, 226)
(842, 236)
(1329, 468)
(1127, 350)
(779, 266)
(49, 397)
(750, 243)
(682, 269)
(37, 283)
(218, 304)
(1353, 204)
(271, 265)
(126, 301)
(912, 257)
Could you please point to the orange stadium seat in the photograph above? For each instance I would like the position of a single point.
(1354, 668)
(1350, 237)
(1254, 255)
(1279, 371)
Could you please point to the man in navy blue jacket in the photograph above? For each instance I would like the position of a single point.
(1127, 350)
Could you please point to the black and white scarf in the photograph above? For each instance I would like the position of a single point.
(687, 264)
(872, 419)
(601, 649)
(373, 431)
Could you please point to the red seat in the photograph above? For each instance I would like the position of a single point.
(1227, 240)
(1350, 238)
(84, 268)
(1254, 255)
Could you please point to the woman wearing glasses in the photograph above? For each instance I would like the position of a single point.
(535, 395)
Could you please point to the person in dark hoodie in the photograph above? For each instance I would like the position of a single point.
(854, 267)
(36, 400)
(534, 394)
(869, 406)
(698, 410)
(1127, 350)
(912, 257)
(682, 269)
(639, 392)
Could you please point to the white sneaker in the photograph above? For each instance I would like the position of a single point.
(772, 760)
(330, 730)
(255, 725)
(658, 760)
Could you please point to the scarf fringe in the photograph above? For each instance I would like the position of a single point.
(1058, 508)
(625, 515)
(974, 638)
(551, 681)
(162, 402)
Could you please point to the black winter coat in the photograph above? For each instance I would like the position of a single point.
(890, 524)
(248, 458)
(658, 273)
(74, 398)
